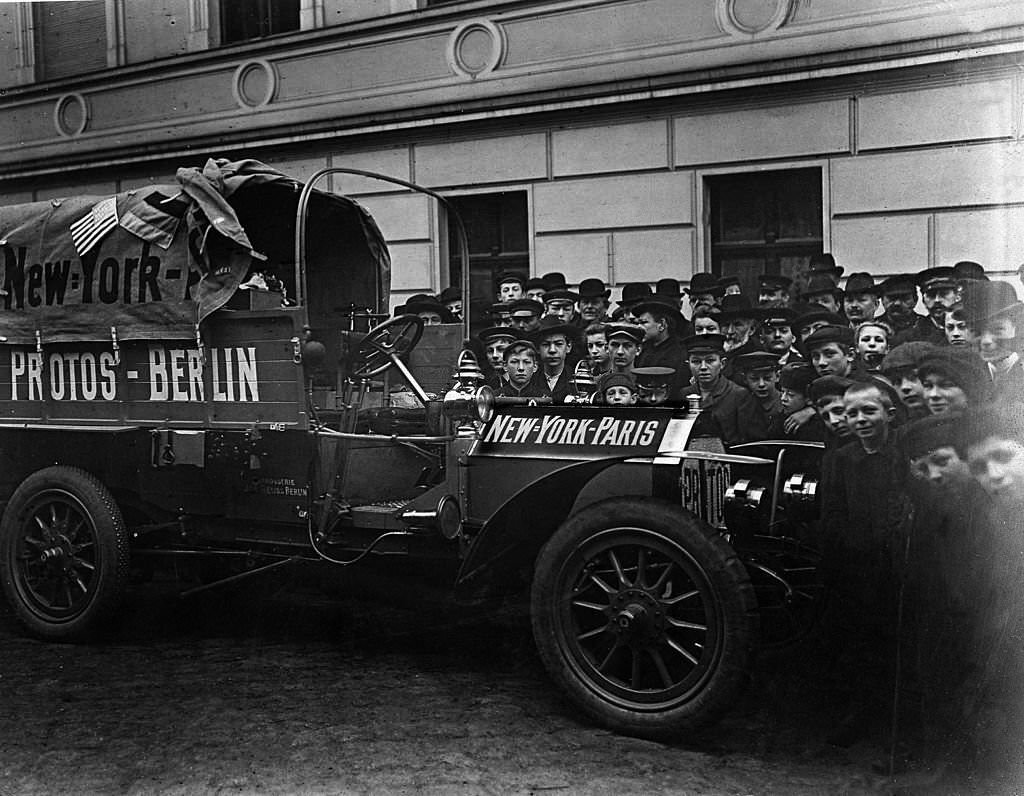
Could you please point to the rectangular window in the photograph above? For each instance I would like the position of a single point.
(769, 222)
(498, 233)
(71, 38)
(243, 20)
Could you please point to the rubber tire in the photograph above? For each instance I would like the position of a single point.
(727, 588)
(110, 576)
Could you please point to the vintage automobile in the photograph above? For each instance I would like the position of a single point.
(160, 402)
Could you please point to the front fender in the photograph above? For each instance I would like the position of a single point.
(515, 532)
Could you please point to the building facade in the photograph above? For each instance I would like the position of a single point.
(623, 139)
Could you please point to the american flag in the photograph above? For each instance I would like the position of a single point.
(88, 230)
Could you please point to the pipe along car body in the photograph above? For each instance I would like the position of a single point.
(151, 406)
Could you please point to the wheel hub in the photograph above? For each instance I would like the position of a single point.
(636, 616)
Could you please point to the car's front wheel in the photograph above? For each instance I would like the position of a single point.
(644, 618)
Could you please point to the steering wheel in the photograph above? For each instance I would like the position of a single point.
(385, 343)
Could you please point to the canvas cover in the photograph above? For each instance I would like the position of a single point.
(147, 264)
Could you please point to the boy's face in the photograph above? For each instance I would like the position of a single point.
(597, 350)
(772, 297)
(526, 322)
(867, 415)
(832, 412)
(509, 291)
(998, 339)
(860, 307)
(940, 467)
(561, 309)
(909, 387)
(872, 340)
(520, 368)
(791, 400)
(496, 352)
(811, 328)
(430, 318)
(943, 396)
(553, 349)
(831, 359)
(536, 293)
(778, 338)
(654, 395)
(998, 465)
(619, 395)
(706, 367)
(761, 382)
(623, 351)
(706, 325)
(957, 330)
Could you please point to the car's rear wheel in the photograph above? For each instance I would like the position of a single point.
(644, 618)
(63, 553)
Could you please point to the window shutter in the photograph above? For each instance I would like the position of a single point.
(72, 38)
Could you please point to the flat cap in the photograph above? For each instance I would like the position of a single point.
(704, 344)
(843, 335)
(627, 330)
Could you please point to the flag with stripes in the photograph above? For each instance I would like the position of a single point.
(90, 229)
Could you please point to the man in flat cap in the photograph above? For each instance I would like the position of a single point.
(899, 297)
(940, 293)
(624, 340)
(737, 412)
(860, 298)
(593, 302)
(510, 286)
(773, 290)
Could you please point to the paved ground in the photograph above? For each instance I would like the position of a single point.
(285, 689)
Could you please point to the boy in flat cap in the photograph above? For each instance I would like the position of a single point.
(860, 298)
(953, 380)
(495, 340)
(521, 361)
(624, 340)
(737, 412)
(555, 344)
(655, 385)
(777, 333)
(525, 315)
(773, 290)
(510, 286)
(560, 303)
(794, 397)
(618, 389)
(760, 371)
(830, 350)
(899, 366)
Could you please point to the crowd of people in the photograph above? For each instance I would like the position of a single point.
(922, 420)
